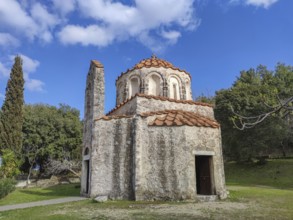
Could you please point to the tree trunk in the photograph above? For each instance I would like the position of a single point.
(29, 175)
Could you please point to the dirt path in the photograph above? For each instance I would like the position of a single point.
(40, 203)
(205, 210)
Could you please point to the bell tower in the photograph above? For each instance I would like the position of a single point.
(93, 109)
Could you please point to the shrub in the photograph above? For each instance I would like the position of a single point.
(6, 186)
(10, 164)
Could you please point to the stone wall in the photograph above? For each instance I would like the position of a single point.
(165, 161)
(142, 104)
(93, 108)
(128, 108)
(112, 159)
(165, 75)
(146, 105)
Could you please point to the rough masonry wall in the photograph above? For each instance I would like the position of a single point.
(112, 159)
(128, 108)
(142, 104)
(122, 83)
(209, 140)
(93, 108)
(147, 105)
(165, 161)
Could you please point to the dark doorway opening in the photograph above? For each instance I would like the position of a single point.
(87, 168)
(204, 180)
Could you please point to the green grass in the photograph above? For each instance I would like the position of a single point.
(254, 203)
(38, 194)
(256, 192)
(276, 173)
(276, 202)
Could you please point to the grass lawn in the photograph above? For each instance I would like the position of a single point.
(276, 173)
(263, 192)
(38, 194)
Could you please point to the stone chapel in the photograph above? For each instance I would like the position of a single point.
(156, 144)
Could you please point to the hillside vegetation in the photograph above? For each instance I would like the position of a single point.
(276, 173)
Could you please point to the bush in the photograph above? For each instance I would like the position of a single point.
(6, 186)
(10, 164)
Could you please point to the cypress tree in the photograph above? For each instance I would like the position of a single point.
(12, 110)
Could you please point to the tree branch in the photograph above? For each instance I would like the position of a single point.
(247, 122)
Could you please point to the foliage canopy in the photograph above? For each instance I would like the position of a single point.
(52, 132)
(254, 92)
(11, 119)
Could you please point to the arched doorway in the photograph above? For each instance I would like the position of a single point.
(86, 170)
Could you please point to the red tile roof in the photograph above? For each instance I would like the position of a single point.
(161, 98)
(180, 118)
(153, 62)
(171, 118)
(107, 118)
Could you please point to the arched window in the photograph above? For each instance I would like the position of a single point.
(154, 85)
(188, 90)
(134, 86)
(86, 151)
(174, 88)
(120, 92)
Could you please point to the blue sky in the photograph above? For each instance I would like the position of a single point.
(212, 39)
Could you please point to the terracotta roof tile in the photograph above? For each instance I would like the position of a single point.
(153, 62)
(179, 118)
(171, 118)
(161, 98)
(97, 63)
(107, 118)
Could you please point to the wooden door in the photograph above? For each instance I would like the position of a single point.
(87, 167)
(203, 175)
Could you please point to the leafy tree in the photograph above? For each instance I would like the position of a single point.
(11, 120)
(10, 164)
(252, 94)
(51, 133)
(56, 167)
(205, 99)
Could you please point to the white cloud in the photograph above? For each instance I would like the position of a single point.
(2, 96)
(150, 42)
(44, 20)
(115, 21)
(91, 35)
(29, 66)
(261, 3)
(34, 85)
(4, 71)
(30, 19)
(257, 3)
(64, 6)
(101, 22)
(13, 16)
(171, 36)
(7, 40)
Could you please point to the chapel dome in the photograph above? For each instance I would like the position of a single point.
(155, 62)
(154, 76)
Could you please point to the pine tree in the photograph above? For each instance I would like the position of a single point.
(12, 110)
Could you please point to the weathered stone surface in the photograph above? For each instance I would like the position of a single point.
(165, 75)
(140, 105)
(112, 159)
(129, 159)
(101, 198)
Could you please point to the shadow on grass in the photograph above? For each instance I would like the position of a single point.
(54, 191)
